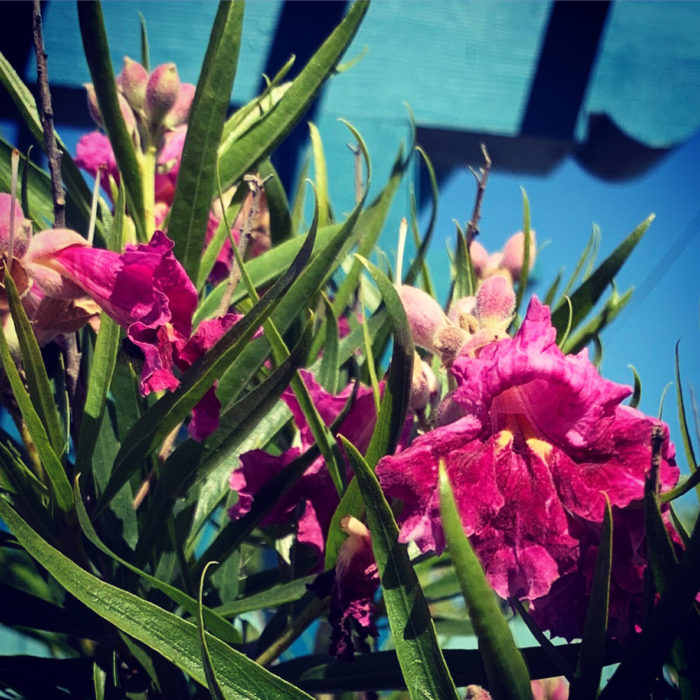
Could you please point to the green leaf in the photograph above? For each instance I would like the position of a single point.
(192, 461)
(169, 635)
(220, 627)
(239, 155)
(589, 253)
(637, 393)
(642, 663)
(463, 279)
(392, 411)
(590, 661)
(212, 683)
(413, 632)
(147, 434)
(663, 564)
(232, 534)
(552, 291)
(60, 488)
(505, 667)
(419, 262)
(277, 204)
(96, 47)
(196, 180)
(321, 176)
(271, 598)
(587, 295)
(682, 418)
(103, 363)
(328, 372)
(37, 380)
(527, 238)
(592, 329)
(222, 233)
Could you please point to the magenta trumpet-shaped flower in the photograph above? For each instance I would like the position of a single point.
(314, 493)
(351, 585)
(144, 289)
(537, 438)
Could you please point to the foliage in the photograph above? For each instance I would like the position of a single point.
(177, 482)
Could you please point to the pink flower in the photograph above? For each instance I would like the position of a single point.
(541, 437)
(205, 415)
(144, 289)
(95, 150)
(314, 493)
(352, 585)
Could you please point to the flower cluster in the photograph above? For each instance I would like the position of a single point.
(532, 439)
(155, 108)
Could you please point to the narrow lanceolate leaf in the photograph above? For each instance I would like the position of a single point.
(220, 627)
(320, 175)
(413, 631)
(328, 372)
(277, 204)
(637, 393)
(92, 30)
(58, 481)
(586, 296)
(506, 671)
(77, 193)
(642, 663)
(147, 434)
(37, 379)
(527, 237)
(591, 657)
(171, 636)
(392, 410)
(663, 565)
(270, 598)
(212, 683)
(191, 462)
(252, 146)
(682, 417)
(196, 180)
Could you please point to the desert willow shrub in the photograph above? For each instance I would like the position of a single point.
(237, 455)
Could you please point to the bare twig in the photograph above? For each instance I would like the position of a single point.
(481, 177)
(46, 113)
(657, 440)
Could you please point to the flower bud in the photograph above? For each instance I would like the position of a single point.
(132, 82)
(461, 313)
(127, 114)
(180, 111)
(514, 253)
(424, 385)
(93, 107)
(39, 259)
(495, 303)
(425, 317)
(162, 92)
(22, 227)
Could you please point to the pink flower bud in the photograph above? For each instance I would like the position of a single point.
(461, 313)
(23, 227)
(180, 111)
(132, 82)
(495, 302)
(514, 253)
(39, 260)
(162, 92)
(425, 317)
(93, 107)
(127, 114)
(479, 256)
